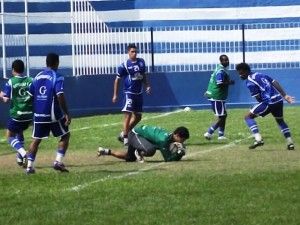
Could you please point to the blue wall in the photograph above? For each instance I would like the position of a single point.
(91, 95)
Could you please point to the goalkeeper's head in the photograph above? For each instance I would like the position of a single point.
(180, 134)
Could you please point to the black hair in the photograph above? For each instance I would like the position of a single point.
(131, 45)
(243, 66)
(52, 60)
(221, 56)
(18, 66)
(183, 132)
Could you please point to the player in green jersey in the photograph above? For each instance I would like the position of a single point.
(16, 91)
(143, 141)
(217, 93)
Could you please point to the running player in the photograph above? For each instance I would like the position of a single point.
(50, 113)
(16, 90)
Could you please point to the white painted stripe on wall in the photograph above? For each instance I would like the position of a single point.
(164, 36)
(269, 12)
(181, 58)
(201, 13)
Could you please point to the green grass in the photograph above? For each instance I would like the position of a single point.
(215, 183)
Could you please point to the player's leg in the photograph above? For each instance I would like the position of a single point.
(143, 148)
(137, 108)
(59, 129)
(260, 109)
(127, 110)
(277, 112)
(218, 107)
(117, 154)
(126, 127)
(14, 133)
(40, 131)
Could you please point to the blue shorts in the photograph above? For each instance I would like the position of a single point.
(132, 103)
(263, 109)
(42, 130)
(17, 126)
(218, 107)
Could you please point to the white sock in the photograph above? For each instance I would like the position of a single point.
(59, 157)
(257, 137)
(30, 164)
(22, 152)
(289, 140)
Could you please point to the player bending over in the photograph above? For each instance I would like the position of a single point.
(143, 141)
(269, 94)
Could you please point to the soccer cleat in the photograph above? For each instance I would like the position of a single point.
(256, 144)
(291, 146)
(222, 138)
(60, 166)
(103, 151)
(30, 170)
(208, 136)
(121, 137)
(139, 157)
(19, 159)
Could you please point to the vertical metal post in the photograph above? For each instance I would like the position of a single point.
(3, 41)
(243, 42)
(72, 37)
(26, 39)
(152, 50)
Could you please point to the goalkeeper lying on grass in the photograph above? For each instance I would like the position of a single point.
(143, 141)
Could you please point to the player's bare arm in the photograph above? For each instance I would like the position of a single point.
(288, 98)
(63, 105)
(116, 89)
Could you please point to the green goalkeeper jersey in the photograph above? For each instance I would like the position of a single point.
(16, 89)
(161, 138)
(215, 90)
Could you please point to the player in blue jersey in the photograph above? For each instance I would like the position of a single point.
(133, 73)
(20, 112)
(270, 95)
(50, 113)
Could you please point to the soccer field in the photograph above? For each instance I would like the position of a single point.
(215, 183)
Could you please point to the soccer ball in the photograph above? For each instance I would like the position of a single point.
(187, 109)
(177, 147)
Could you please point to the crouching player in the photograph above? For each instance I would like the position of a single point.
(143, 141)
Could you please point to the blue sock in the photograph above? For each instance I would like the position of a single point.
(15, 143)
(285, 130)
(20, 137)
(251, 123)
(212, 129)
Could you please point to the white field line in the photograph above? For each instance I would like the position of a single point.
(80, 187)
(120, 123)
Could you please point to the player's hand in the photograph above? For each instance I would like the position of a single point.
(114, 99)
(68, 120)
(289, 99)
(148, 89)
